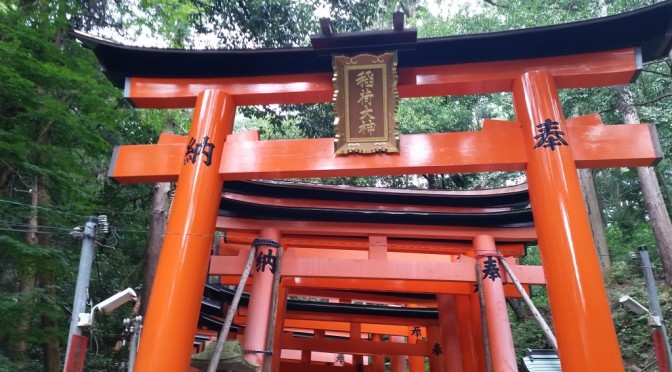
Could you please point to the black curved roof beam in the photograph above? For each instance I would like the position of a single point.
(514, 197)
(215, 292)
(647, 28)
(251, 208)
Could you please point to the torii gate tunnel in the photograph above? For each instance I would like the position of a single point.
(532, 64)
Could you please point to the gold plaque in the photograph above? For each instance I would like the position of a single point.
(365, 99)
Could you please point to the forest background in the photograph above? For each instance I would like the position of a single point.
(60, 119)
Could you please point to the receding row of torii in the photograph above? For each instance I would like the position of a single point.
(541, 142)
(359, 269)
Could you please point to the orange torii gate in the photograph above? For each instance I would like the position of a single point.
(532, 64)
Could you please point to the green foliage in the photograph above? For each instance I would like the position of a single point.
(528, 335)
(633, 331)
(59, 119)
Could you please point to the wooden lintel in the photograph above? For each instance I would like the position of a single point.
(301, 367)
(575, 71)
(498, 147)
(344, 326)
(354, 346)
(375, 269)
(393, 286)
(338, 246)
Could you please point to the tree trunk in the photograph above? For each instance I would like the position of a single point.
(660, 220)
(667, 197)
(51, 348)
(431, 181)
(26, 286)
(595, 216)
(519, 311)
(157, 228)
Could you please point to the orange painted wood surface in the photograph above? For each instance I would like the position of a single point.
(344, 326)
(175, 302)
(302, 244)
(423, 251)
(402, 286)
(286, 366)
(360, 347)
(498, 147)
(580, 307)
(318, 356)
(374, 269)
(575, 71)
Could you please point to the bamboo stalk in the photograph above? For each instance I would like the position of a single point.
(542, 323)
(270, 333)
(224, 333)
(484, 320)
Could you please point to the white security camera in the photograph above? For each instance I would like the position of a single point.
(633, 305)
(115, 301)
(107, 306)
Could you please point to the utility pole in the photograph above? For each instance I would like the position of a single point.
(134, 327)
(73, 358)
(660, 336)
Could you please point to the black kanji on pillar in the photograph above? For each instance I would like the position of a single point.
(490, 269)
(416, 331)
(194, 149)
(340, 358)
(436, 349)
(266, 259)
(549, 135)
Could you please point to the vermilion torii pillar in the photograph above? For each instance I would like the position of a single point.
(581, 315)
(503, 353)
(254, 343)
(175, 301)
(471, 339)
(415, 363)
(450, 338)
(398, 362)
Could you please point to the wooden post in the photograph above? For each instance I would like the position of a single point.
(279, 327)
(503, 354)
(259, 307)
(436, 355)
(398, 362)
(450, 338)
(415, 363)
(175, 302)
(470, 337)
(275, 293)
(378, 359)
(579, 306)
(356, 334)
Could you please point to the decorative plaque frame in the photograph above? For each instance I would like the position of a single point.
(365, 101)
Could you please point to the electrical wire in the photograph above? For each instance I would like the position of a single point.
(105, 245)
(32, 231)
(42, 208)
(25, 225)
(66, 231)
